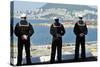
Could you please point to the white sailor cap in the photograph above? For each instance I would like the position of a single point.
(80, 15)
(54, 18)
(23, 15)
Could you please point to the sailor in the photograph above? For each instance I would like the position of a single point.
(80, 30)
(23, 30)
(57, 31)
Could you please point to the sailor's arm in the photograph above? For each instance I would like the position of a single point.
(62, 30)
(31, 30)
(86, 30)
(16, 29)
(75, 29)
(52, 31)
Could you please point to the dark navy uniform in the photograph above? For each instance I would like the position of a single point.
(80, 30)
(23, 28)
(57, 31)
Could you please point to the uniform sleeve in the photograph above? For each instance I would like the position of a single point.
(52, 32)
(31, 30)
(16, 29)
(86, 30)
(76, 29)
(62, 30)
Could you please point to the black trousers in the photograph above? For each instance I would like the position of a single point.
(22, 44)
(80, 41)
(56, 44)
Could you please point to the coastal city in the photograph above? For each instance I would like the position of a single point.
(47, 14)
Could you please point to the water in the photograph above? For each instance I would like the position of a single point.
(42, 35)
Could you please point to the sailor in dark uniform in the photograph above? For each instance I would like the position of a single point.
(57, 31)
(80, 30)
(23, 30)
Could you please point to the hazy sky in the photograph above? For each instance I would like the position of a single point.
(24, 5)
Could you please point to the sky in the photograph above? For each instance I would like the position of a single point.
(28, 5)
(20, 5)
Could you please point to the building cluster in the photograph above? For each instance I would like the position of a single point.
(47, 14)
